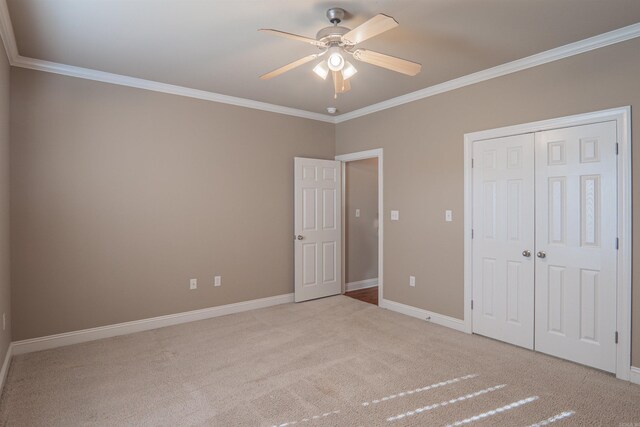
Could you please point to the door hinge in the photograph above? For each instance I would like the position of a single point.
(616, 337)
(471, 304)
(617, 148)
(617, 243)
(472, 233)
(471, 163)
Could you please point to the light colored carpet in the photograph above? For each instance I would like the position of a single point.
(335, 361)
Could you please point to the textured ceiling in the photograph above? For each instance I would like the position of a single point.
(214, 45)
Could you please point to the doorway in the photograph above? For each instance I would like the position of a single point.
(362, 231)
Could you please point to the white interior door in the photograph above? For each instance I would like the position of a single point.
(318, 246)
(503, 241)
(576, 231)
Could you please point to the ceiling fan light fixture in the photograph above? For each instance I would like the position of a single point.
(348, 71)
(336, 60)
(321, 70)
(336, 42)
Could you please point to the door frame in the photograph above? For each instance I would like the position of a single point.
(622, 117)
(362, 155)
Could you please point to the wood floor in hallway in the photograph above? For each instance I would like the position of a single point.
(369, 295)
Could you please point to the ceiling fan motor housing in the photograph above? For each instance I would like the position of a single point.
(332, 35)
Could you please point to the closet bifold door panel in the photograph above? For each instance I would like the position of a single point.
(544, 242)
(503, 241)
(576, 230)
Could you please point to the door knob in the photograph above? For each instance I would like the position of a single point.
(299, 237)
(541, 254)
(526, 253)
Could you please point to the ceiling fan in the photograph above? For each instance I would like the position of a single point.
(338, 42)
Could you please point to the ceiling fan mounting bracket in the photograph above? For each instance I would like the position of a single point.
(335, 15)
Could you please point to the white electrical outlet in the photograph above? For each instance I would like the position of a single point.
(357, 213)
(193, 284)
(217, 281)
(395, 215)
(448, 216)
(412, 281)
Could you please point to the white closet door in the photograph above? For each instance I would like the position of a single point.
(317, 218)
(503, 241)
(576, 244)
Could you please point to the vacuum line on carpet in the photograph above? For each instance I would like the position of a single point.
(565, 414)
(418, 390)
(446, 402)
(305, 420)
(494, 411)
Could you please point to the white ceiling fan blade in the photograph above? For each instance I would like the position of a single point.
(386, 61)
(374, 26)
(288, 67)
(293, 37)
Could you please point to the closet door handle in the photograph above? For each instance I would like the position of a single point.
(526, 253)
(541, 254)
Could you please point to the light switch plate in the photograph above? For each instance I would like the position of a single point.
(412, 281)
(448, 216)
(193, 284)
(217, 281)
(357, 213)
(395, 215)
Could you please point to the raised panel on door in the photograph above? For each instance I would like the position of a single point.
(317, 228)
(309, 208)
(556, 285)
(576, 228)
(503, 225)
(488, 293)
(309, 263)
(515, 280)
(329, 262)
(329, 214)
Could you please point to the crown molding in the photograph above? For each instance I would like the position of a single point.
(6, 32)
(118, 79)
(586, 45)
(17, 60)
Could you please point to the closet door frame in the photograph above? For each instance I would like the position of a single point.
(622, 117)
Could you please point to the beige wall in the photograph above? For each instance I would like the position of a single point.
(423, 162)
(5, 291)
(361, 192)
(120, 196)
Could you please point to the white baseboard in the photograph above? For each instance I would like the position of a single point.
(361, 284)
(5, 367)
(85, 335)
(635, 375)
(439, 319)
